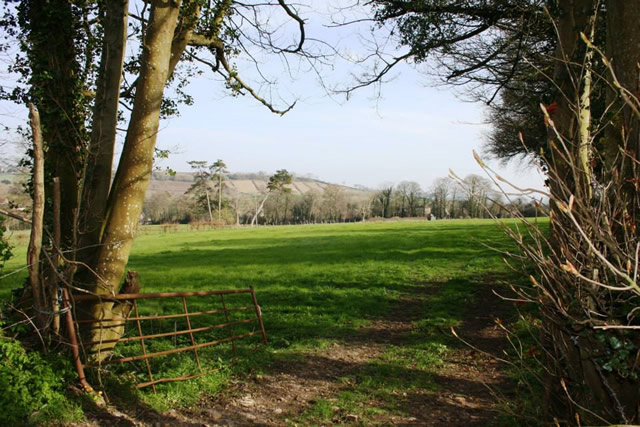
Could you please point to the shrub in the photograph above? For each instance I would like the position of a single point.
(33, 386)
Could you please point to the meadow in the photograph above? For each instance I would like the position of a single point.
(319, 286)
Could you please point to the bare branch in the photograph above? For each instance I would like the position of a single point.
(300, 22)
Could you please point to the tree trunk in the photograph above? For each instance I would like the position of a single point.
(206, 192)
(35, 240)
(255, 217)
(134, 171)
(575, 16)
(585, 148)
(623, 45)
(57, 90)
(103, 133)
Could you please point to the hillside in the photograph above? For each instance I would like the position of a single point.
(246, 184)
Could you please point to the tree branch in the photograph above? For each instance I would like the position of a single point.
(300, 22)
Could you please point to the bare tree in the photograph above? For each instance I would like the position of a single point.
(479, 191)
(440, 191)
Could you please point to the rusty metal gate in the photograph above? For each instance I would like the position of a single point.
(190, 331)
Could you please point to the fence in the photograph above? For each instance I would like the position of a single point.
(190, 331)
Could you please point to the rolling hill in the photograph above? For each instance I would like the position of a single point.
(243, 184)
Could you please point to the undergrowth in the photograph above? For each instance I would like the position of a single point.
(34, 386)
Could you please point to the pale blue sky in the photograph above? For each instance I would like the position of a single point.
(413, 132)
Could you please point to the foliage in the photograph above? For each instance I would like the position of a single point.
(277, 185)
(279, 181)
(200, 187)
(5, 247)
(384, 200)
(219, 169)
(335, 203)
(33, 386)
(584, 287)
(485, 46)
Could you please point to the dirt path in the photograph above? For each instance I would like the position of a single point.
(293, 387)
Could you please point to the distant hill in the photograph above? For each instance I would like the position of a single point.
(247, 184)
(8, 180)
(244, 184)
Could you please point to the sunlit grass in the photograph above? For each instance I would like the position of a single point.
(316, 285)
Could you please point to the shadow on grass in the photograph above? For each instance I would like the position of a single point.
(353, 246)
(388, 387)
(126, 408)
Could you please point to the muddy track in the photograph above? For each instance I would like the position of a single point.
(290, 387)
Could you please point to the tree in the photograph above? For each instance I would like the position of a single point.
(333, 202)
(401, 195)
(80, 77)
(478, 190)
(238, 204)
(304, 210)
(277, 184)
(200, 187)
(585, 55)
(414, 194)
(383, 197)
(219, 168)
(162, 208)
(440, 191)
(409, 192)
(486, 46)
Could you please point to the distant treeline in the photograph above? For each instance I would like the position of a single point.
(445, 199)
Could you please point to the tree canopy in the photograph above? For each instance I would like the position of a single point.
(496, 50)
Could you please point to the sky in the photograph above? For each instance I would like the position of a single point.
(408, 129)
(414, 132)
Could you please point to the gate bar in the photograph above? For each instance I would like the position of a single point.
(118, 297)
(166, 316)
(259, 314)
(175, 333)
(144, 350)
(193, 341)
(173, 351)
(226, 316)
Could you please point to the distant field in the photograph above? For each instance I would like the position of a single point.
(318, 284)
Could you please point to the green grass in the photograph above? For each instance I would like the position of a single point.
(317, 285)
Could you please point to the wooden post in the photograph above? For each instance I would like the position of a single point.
(35, 241)
(73, 339)
(53, 280)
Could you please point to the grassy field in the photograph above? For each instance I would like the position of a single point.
(318, 285)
